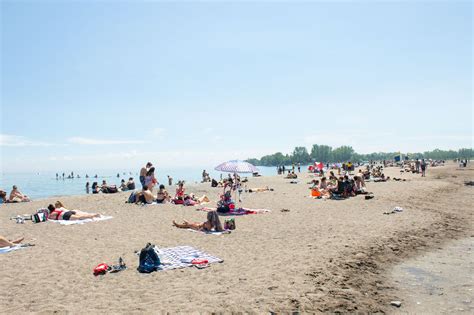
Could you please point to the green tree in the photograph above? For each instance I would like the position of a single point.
(300, 155)
(342, 154)
(321, 153)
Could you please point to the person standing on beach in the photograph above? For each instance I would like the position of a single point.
(143, 172)
(423, 168)
(299, 167)
(170, 181)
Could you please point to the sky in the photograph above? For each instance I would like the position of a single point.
(102, 84)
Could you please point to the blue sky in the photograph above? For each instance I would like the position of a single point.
(102, 84)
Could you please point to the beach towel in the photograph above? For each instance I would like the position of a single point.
(239, 211)
(210, 232)
(69, 222)
(10, 249)
(181, 257)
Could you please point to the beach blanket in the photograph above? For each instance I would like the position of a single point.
(69, 222)
(210, 232)
(181, 257)
(239, 211)
(10, 249)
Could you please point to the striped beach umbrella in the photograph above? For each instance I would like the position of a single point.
(236, 166)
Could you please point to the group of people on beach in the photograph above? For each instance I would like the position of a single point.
(14, 197)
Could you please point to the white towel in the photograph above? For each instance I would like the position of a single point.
(71, 222)
(10, 249)
(210, 232)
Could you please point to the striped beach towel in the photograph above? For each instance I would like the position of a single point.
(181, 257)
(210, 232)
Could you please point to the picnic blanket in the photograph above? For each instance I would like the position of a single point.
(69, 222)
(10, 249)
(239, 211)
(181, 257)
(210, 232)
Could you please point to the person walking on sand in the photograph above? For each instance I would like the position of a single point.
(143, 172)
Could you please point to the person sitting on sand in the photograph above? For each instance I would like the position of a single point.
(95, 188)
(17, 196)
(123, 186)
(130, 184)
(291, 175)
(212, 224)
(3, 196)
(359, 185)
(59, 212)
(4, 242)
(180, 191)
(108, 189)
(162, 195)
(145, 196)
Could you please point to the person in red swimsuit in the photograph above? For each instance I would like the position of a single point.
(58, 212)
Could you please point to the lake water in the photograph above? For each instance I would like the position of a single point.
(42, 185)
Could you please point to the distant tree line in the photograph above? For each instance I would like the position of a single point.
(326, 154)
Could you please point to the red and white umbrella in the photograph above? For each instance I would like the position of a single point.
(236, 166)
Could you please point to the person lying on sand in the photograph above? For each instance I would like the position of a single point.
(4, 242)
(191, 200)
(17, 196)
(59, 212)
(212, 224)
(255, 190)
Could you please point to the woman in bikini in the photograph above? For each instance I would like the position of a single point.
(162, 196)
(212, 224)
(58, 212)
(150, 179)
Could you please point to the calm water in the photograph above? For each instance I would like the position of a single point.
(42, 185)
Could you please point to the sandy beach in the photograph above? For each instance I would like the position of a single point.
(320, 256)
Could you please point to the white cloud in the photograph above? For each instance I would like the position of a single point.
(91, 141)
(20, 141)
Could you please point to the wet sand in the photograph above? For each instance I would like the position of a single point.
(441, 280)
(321, 256)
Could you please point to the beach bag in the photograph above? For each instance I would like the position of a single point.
(132, 198)
(148, 259)
(229, 224)
(40, 216)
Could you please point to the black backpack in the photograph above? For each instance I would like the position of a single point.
(149, 260)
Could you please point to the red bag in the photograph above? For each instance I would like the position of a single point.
(101, 269)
